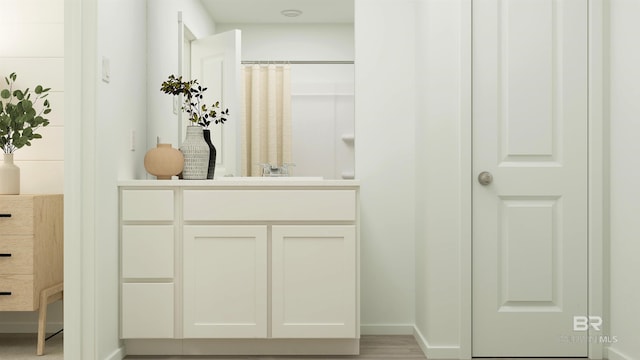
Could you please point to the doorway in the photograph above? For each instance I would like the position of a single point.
(530, 190)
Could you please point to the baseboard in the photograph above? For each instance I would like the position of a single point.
(118, 354)
(435, 352)
(613, 354)
(28, 328)
(386, 329)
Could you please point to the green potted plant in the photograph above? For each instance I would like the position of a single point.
(22, 113)
(199, 163)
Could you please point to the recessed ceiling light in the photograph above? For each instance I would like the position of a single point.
(291, 12)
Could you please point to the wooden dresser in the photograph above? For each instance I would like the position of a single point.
(31, 252)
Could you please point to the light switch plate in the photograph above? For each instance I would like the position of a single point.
(176, 105)
(132, 144)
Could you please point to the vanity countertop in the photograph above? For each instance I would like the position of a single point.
(244, 182)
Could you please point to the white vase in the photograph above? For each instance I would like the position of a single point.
(10, 176)
(196, 154)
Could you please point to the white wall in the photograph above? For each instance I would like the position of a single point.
(162, 52)
(438, 162)
(278, 42)
(120, 110)
(37, 56)
(625, 174)
(385, 161)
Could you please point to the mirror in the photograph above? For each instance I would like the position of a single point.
(318, 45)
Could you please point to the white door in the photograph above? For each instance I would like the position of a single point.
(530, 134)
(313, 281)
(215, 63)
(225, 281)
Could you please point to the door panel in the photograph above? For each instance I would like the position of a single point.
(530, 132)
(215, 63)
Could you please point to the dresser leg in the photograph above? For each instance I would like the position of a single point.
(47, 296)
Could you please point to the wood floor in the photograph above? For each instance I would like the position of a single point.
(371, 348)
(23, 347)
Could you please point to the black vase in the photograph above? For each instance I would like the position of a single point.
(212, 153)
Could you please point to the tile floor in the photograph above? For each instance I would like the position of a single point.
(23, 347)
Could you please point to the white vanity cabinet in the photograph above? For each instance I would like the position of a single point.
(260, 268)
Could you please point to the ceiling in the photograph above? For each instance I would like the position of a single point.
(268, 11)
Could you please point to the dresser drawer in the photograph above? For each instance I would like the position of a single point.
(149, 205)
(16, 293)
(269, 205)
(16, 255)
(16, 215)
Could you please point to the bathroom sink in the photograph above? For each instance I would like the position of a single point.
(269, 178)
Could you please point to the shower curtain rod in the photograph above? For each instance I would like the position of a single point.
(292, 62)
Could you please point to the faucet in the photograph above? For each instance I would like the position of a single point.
(275, 170)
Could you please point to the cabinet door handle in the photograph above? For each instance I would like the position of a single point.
(5, 215)
(5, 293)
(5, 255)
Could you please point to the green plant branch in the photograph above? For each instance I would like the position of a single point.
(19, 121)
(192, 94)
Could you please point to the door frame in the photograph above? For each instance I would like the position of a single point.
(597, 175)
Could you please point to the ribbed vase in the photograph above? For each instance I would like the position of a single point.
(9, 176)
(196, 154)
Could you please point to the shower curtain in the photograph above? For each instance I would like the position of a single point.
(266, 125)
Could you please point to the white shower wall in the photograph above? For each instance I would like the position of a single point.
(322, 110)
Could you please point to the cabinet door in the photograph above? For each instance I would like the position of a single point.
(225, 281)
(314, 282)
(147, 311)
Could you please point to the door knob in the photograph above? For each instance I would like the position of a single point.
(485, 178)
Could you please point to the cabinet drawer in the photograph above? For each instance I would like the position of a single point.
(16, 215)
(147, 311)
(17, 293)
(154, 205)
(270, 205)
(16, 255)
(147, 251)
